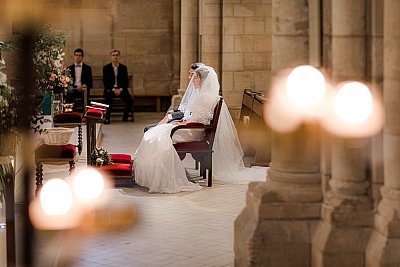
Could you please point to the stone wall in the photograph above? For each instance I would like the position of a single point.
(144, 31)
(246, 48)
(159, 39)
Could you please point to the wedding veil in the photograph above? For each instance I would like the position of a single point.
(228, 163)
(189, 91)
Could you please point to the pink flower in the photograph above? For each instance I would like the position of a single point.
(52, 76)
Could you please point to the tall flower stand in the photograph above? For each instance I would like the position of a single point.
(8, 199)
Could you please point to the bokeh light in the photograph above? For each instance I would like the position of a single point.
(353, 102)
(302, 95)
(88, 185)
(55, 207)
(354, 111)
(56, 197)
(298, 95)
(305, 87)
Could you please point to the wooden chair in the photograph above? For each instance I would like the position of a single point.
(202, 150)
(53, 154)
(70, 120)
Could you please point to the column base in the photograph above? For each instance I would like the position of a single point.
(384, 245)
(382, 251)
(339, 246)
(273, 233)
(342, 236)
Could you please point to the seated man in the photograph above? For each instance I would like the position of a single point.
(83, 80)
(116, 82)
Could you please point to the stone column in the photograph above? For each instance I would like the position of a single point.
(189, 35)
(384, 246)
(376, 70)
(342, 234)
(275, 227)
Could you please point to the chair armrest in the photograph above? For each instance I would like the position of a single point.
(190, 126)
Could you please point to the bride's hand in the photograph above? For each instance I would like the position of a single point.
(164, 120)
(180, 122)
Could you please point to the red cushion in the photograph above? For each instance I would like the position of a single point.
(68, 117)
(117, 169)
(99, 105)
(121, 158)
(94, 112)
(200, 145)
(51, 151)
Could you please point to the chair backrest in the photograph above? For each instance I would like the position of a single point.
(210, 133)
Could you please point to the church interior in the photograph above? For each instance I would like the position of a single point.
(331, 194)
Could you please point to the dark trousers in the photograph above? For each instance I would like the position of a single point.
(125, 97)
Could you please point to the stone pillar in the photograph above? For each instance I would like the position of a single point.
(275, 227)
(189, 35)
(376, 70)
(342, 234)
(384, 246)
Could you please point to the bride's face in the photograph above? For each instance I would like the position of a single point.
(196, 80)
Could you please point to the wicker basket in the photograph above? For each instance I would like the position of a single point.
(57, 136)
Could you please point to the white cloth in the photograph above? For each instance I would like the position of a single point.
(78, 75)
(115, 67)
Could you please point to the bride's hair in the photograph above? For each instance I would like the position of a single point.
(197, 65)
(202, 72)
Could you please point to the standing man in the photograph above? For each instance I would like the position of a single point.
(116, 82)
(83, 80)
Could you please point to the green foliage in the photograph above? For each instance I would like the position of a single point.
(8, 104)
(100, 157)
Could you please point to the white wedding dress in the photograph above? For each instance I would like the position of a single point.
(157, 165)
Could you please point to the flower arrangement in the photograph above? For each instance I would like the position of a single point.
(100, 157)
(52, 74)
(8, 105)
(8, 118)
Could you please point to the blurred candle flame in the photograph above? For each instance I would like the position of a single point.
(305, 87)
(55, 208)
(353, 102)
(302, 95)
(88, 185)
(56, 197)
(354, 111)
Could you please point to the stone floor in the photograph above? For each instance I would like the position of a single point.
(184, 229)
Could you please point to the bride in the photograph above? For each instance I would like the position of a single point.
(156, 163)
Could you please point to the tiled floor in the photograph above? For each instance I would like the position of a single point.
(184, 229)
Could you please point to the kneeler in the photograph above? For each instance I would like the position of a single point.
(93, 115)
(70, 120)
(121, 170)
(53, 154)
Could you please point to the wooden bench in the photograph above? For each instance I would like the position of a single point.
(254, 134)
(142, 102)
(118, 106)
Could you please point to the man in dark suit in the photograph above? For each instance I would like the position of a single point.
(83, 80)
(116, 82)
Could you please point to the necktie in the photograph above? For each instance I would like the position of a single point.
(78, 66)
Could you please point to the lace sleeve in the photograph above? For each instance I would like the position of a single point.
(201, 114)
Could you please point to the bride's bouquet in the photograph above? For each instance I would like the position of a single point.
(100, 157)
